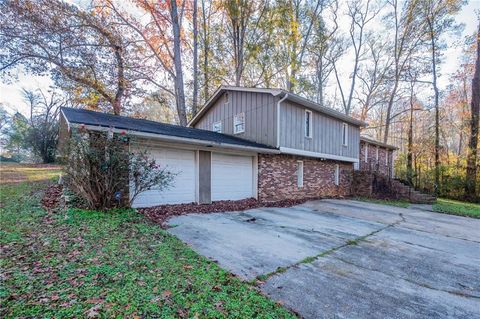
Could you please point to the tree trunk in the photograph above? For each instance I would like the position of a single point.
(471, 174)
(177, 57)
(206, 48)
(436, 185)
(410, 145)
(195, 59)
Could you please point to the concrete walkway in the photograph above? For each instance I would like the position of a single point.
(348, 259)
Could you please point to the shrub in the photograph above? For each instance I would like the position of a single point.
(99, 168)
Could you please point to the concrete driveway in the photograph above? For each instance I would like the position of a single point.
(348, 259)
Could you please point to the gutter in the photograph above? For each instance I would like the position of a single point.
(278, 118)
(170, 138)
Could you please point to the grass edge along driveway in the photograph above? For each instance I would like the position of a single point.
(91, 264)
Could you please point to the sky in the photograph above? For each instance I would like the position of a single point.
(11, 96)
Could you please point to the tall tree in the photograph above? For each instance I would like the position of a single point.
(438, 15)
(471, 175)
(159, 32)
(360, 14)
(80, 46)
(408, 33)
(195, 57)
(243, 32)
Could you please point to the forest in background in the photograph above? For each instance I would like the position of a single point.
(379, 61)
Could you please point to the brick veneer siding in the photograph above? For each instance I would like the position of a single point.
(277, 178)
(372, 164)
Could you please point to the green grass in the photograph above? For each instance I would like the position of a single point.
(90, 264)
(391, 202)
(453, 207)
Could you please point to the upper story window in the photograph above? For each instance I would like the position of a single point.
(378, 149)
(217, 127)
(239, 123)
(308, 123)
(227, 98)
(345, 134)
(366, 152)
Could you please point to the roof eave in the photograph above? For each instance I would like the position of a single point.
(378, 143)
(177, 139)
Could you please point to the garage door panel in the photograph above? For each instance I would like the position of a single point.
(232, 177)
(182, 190)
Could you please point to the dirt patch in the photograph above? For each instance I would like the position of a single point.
(160, 214)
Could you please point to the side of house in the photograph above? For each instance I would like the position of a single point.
(318, 146)
(376, 156)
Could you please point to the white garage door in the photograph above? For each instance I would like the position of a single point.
(182, 190)
(232, 177)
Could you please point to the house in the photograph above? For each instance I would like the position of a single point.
(376, 156)
(244, 142)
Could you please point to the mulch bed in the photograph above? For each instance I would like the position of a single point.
(160, 214)
(52, 198)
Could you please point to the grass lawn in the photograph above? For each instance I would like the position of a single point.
(391, 202)
(90, 264)
(450, 206)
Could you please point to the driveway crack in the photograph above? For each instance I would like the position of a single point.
(311, 259)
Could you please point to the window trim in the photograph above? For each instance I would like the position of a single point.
(344, 134)
(300, 173)
(235, 123)
(309, 133)
(337, 175)
(221, 126)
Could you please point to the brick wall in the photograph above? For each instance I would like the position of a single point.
(379, 165)
(277, 178)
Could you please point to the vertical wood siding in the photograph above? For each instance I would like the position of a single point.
(327, 132)
(260, 116)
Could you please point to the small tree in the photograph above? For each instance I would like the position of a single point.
(99, 169)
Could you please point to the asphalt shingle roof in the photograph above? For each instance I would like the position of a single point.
(87, 117)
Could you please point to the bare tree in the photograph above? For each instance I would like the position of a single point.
(360, 14)
(372, 77)
(407, 36)
(438, 15)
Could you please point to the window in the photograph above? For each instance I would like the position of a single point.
(337, 174)
(300, 173)
(308, 123)
(217, 127)
(366, 153)
(239, 123)
(345, 134)
(226, 98)
(387, 154)
(377, 153)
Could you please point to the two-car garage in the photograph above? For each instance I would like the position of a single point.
(232, 176)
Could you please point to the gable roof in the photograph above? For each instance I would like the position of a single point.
(378, 143)
(97, 120)
(280, 93)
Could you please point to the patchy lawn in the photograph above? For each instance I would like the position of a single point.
(90, 264)
(453, 207)
(17, 173)
(391, 202)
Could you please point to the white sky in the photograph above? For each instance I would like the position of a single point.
(11, 97)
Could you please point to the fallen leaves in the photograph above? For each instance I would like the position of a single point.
(160, 214)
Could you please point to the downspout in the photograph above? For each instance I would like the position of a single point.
(278, 118)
